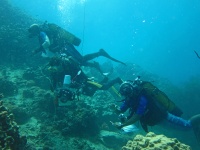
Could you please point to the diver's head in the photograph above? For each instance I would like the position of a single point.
(127, 89)
(34, 30)
(54, 64)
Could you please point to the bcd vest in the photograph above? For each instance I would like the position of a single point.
(160, 97)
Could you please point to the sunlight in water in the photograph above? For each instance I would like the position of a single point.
(82, 1)
(65, 7)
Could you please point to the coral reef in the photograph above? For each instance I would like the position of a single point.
(81, 144)
(5, 85)
(13, 39)
(21, 114)
(83, 119)
(36, 76)
(74, 126)
(9, 131)
(154, 142)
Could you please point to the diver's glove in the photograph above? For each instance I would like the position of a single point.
(118, 125)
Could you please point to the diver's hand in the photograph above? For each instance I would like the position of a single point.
(118, 125)
(113, 107)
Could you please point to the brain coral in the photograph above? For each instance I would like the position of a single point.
(154, 142)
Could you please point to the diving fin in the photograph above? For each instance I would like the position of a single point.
(102, 52)
(195, 121)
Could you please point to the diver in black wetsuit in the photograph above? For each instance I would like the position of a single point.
(66, 65)
(52, 41)
(84, 60)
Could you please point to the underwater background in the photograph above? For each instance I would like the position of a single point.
(160, 36)
(157, 40)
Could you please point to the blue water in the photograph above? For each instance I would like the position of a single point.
(160, 36)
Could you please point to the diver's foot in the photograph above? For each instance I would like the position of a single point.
(102, 52)
(195, 122)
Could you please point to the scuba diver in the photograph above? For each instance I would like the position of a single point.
(59, 67)
(68, 81)
(54, 39)
(147, 104)
(43, 39)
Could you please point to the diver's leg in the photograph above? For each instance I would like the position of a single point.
(90, 56)
(111, 83)
(71, 51)
(178, 120)
(101, 52)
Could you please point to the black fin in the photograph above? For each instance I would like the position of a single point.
(195, 121)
